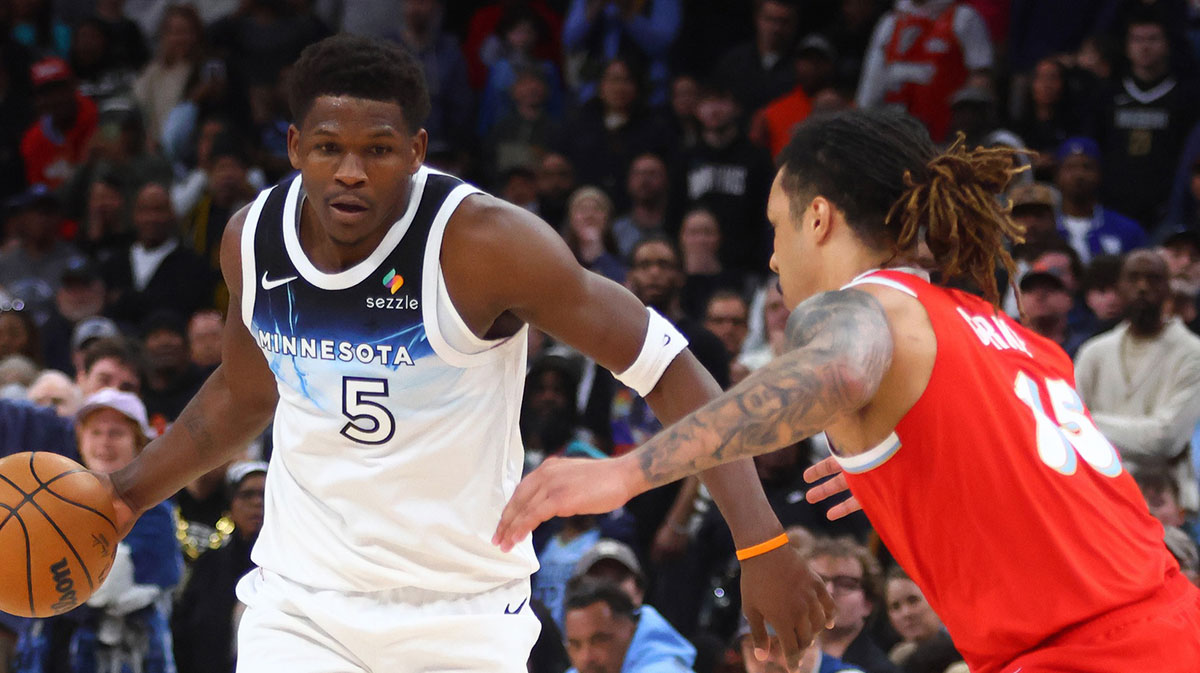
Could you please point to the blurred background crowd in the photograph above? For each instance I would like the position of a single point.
(644, 132)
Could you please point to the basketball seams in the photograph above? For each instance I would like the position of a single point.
(86, 573)
(12, 514)
(46, 485)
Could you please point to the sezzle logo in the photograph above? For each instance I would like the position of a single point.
(392, 281)
(64, 585)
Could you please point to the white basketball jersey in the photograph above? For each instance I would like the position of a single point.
(394, 451)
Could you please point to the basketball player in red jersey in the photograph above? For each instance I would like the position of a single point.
(958, 432)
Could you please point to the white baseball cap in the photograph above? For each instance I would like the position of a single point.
(126, 404)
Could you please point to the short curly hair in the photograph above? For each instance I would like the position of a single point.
(359, 67)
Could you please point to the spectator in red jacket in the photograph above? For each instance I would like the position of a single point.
(57, 142)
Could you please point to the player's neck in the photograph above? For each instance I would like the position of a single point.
(855, 261)
(331, 256)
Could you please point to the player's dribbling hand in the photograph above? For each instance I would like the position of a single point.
(126, 516)
(779, 588)
(838, 484)
(562, 487)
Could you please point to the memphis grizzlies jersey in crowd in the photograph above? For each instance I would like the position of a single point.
(396, 437)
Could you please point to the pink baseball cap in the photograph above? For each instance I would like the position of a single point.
(126, 404)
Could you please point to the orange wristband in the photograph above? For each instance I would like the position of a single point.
(762, 547)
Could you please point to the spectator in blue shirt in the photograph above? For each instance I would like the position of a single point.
(606, 633)
(1083, 221)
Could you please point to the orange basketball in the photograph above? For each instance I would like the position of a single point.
(57, 537)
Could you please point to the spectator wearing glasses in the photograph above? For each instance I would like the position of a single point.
(853, 578)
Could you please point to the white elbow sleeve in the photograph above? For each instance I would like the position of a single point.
(663, 342)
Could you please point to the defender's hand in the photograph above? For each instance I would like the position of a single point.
(830, 488)
(562, 487)
(779, 588)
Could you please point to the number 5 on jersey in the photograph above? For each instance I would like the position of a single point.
(1066, 430)
(370, 421)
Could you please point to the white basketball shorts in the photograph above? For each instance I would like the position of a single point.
(291, 627)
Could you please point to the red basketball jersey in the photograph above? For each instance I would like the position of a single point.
(996, 492)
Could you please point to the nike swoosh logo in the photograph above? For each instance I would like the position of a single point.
(509, 611)
(272, 284)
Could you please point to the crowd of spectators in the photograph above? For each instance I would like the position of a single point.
(644, 132)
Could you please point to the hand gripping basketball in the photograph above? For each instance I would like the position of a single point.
(58, 534)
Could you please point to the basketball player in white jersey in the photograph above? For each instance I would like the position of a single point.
(378, 312)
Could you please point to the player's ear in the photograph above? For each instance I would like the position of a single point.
(420, 144)
(821, 218)
(293, 146)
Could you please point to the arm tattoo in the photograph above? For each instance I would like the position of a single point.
(839, 347)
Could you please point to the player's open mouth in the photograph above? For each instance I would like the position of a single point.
(349, 208)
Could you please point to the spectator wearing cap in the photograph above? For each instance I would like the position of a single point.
(1141, 380)
(1033, 206)
(80, 296)
(760, 70)
(1047, 303)
(203, 620)
(130, 608)
(89, 331)
(1141, 123)
(814, 62)
(920, 54)
(607, 633)
(171, 378)
(1083, 221)
(157, 271)
(732, 176)
(32, 267)
(57, 143)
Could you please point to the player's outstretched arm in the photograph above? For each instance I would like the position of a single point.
(232, 408)
(840, 348)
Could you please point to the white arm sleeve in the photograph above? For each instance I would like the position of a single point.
(873, 83)
(973, 35)
(663, 342)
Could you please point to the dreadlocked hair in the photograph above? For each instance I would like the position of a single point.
(895, 189)
(953, 206)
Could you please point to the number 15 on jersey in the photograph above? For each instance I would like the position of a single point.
(1065, 429)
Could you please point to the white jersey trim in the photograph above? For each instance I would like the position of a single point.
(871, 458)
(249, 268)
(886, 282)
(359, 272)
(434, 296)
